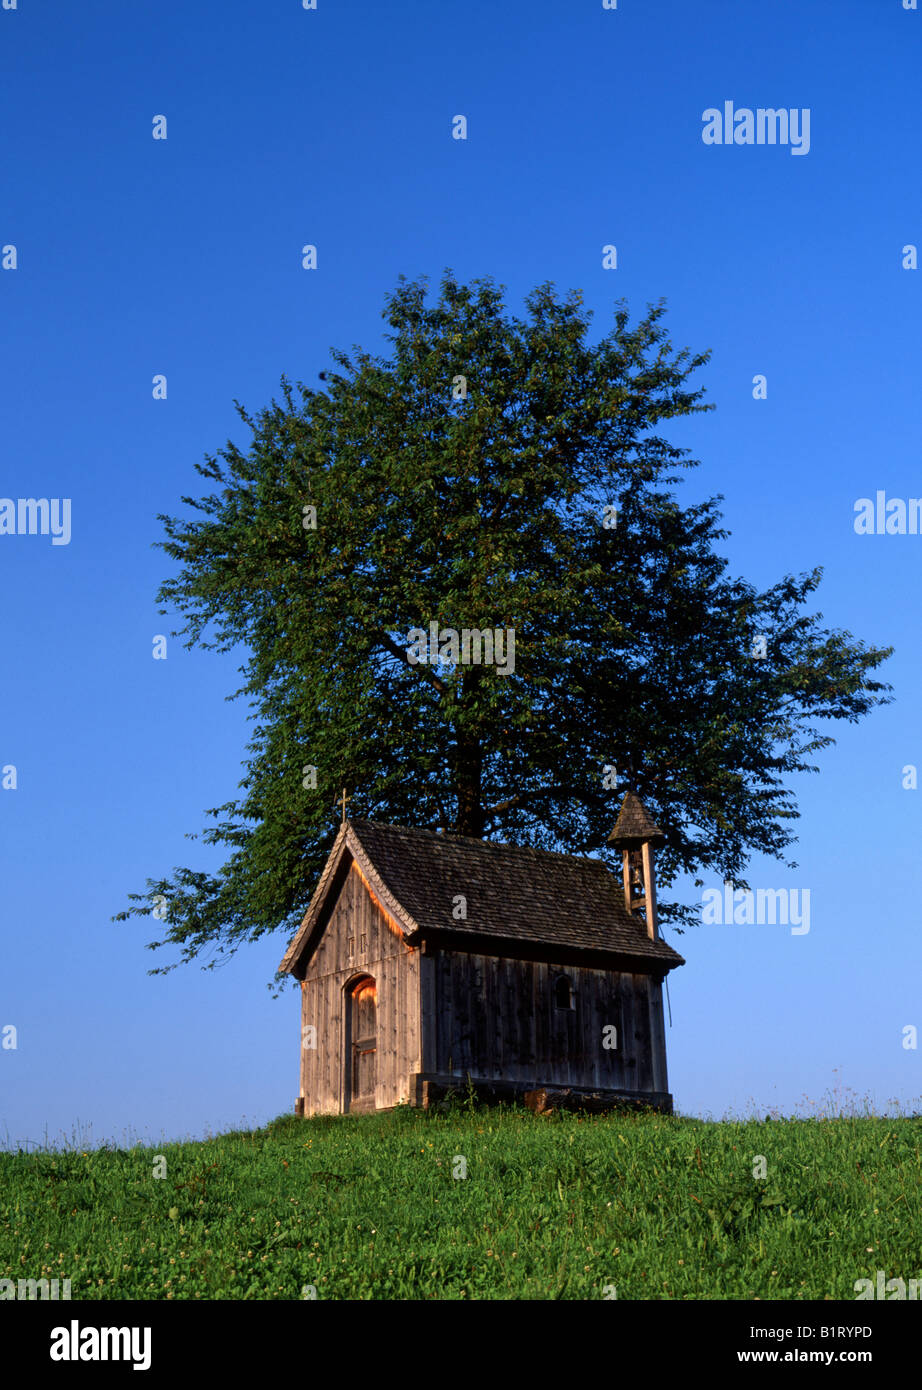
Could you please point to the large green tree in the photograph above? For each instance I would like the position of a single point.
(504, 473)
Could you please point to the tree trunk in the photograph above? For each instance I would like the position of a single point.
(468, 770)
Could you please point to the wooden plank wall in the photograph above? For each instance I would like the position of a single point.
(496, 1018)
(658, 1037)
(359, 939)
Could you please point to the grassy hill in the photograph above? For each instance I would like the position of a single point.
(551, 1207)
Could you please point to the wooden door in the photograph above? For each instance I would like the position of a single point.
(364, 1043)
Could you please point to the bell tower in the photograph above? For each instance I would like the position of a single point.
(638, 836)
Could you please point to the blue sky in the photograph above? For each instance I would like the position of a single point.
(181, 256)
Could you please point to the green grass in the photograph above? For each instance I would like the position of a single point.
(552, 1207)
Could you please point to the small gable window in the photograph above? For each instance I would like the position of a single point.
(563, 993)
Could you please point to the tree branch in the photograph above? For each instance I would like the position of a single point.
(401, 655)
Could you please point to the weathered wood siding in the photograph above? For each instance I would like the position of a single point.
(496, 1018)
(359, 939)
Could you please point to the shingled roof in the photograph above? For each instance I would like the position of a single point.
(634, 825)
(512, 893)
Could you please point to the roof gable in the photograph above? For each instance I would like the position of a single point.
(346, 851)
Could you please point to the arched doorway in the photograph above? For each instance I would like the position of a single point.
(362, 1043)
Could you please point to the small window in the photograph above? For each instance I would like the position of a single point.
(563, 994)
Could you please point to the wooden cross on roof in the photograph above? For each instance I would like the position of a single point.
(345, 799)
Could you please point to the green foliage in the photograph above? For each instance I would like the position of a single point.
(366, 1207)
(633, 648)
